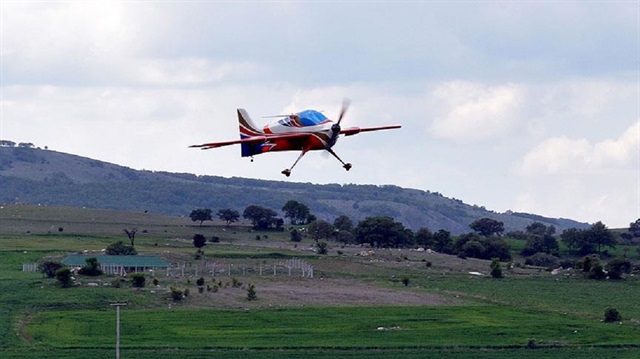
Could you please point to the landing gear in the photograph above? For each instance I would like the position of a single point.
(287, 171)
(346, 166)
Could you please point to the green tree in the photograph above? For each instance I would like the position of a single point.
(573, 238)
(49, 268)
(296, 236)
(201, 215)
(487, 227)
(228, 215)
(382, 232)
(634, 228)
(343, 223)
(260, 217)
(424, 238)
(297, 212)
(320, 229)
(442, 241)
(323, 247)
(138, 280)
(496, 268)
(120, 249)
(599, 236)
(199, 241)
(63, 276)
(251, 292)
(92, 268)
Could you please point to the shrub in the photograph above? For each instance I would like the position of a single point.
(323, 248)
(542, 260)
(612, 315)
(251, 292)
(496, 268)
(200, 282)
(405, 281)
(155, 281)
(597, 272)
(91, 268)
(617, 267)
(49, 268)
(63, 275)
(120, 249)
(138, 280)
(176, 294)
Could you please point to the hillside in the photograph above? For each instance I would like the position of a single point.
(35, 176)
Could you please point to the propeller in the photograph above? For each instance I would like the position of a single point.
(336, 126)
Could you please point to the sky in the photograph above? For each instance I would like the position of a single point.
(512, 105)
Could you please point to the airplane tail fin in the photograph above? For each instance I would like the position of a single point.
(248, 129)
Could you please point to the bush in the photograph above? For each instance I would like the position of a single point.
(405, 281)
(542, 260)
(138, 280)
(49, 268)
(496, 268)
(323, 248)
(597, 272)
(200, 282)
(63, 275)
(617, 267)
(91, 268)
(176, 294)
(612, 315)
(251, 293)
(120, 249)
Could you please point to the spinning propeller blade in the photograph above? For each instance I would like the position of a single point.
(345, 106)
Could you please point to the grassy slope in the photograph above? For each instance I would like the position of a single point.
(38, 319)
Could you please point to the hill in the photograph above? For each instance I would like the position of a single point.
(36, 176)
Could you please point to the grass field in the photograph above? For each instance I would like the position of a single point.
(354, 307)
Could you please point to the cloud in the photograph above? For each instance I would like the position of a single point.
(563, 155)
(471, 112)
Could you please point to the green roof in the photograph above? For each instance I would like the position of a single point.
(125, 261)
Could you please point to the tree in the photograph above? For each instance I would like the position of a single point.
(382, 232)
(573, 238)
(323, 247)
(63, 276)
(49, 268)
(120, 249)
(296, 236)
(251, 292)
(541, 244)
(228, 215)
(199, 241)
(442, 241)
(600, 236)
(201, 214)
(343, 223)
(92, 268)
(138, 280)
(131, 234)
(424, 238)
(297, 212)
(487, 227)
(617, 267)
(320, 229)
(496, 268)
(612, 315)
(260, 217)
(634, 228)
(475, 246)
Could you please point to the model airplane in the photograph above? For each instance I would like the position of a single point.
(304, 131)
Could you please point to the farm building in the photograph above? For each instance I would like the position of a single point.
(124, 263)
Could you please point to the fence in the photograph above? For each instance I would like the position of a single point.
(291, 267)
(30, 267)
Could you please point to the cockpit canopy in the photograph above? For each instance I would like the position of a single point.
(311, 118)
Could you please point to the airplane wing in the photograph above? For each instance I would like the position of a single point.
(252, 139)
(356, 130)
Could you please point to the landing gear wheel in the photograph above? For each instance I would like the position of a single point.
(286, 172)
(347, 166)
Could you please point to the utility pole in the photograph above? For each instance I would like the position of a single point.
(118, 305)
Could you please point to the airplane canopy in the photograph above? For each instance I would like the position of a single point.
(311, 117)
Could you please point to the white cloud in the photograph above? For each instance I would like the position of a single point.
(562, 155)
(472, 112)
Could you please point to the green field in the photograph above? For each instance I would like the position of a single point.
(528, 314)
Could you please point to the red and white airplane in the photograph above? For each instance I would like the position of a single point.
(305, 131)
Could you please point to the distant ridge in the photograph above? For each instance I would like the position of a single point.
(36, 176)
